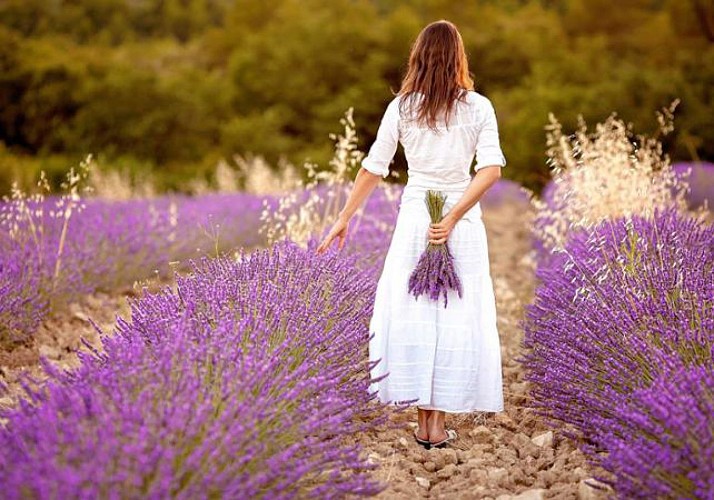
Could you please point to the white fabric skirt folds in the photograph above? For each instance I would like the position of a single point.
(440, 358)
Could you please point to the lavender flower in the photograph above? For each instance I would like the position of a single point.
(435, 273)
(244, 382)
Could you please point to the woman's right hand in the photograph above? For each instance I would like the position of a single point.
(439, 231)
(339, 230)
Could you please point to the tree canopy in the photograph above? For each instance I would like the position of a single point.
(173, 85)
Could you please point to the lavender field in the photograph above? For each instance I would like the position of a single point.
(197, 346)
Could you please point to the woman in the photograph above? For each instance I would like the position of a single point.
(442, 359)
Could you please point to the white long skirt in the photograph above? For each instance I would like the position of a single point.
(440, 358)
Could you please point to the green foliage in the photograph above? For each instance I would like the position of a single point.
(178, 83)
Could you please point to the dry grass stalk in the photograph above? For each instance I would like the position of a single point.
(605, 174)
(118, 185)
(298, 218)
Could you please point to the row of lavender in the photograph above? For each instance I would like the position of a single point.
(50, 256)
(243, 381)
(620, 336)
(246, 380)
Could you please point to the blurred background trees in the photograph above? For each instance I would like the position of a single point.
(171, 86)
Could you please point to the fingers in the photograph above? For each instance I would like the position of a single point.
(330, 238)
(440, 227)
(438, 233)
(325, 243)
(337, 231)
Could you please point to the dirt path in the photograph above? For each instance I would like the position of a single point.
(497, 456)
(60, 335)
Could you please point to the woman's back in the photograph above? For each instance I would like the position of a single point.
(438, 157)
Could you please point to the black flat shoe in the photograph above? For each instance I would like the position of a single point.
(424, 442)
(450, 436)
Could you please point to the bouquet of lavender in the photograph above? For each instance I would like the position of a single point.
(435, 273)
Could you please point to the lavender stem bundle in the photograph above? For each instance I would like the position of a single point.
(435, 274)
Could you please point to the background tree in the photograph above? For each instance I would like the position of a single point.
(171, 86)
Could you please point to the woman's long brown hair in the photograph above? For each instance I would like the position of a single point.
(439, 70)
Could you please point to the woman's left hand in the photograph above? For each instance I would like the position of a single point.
(439, 231)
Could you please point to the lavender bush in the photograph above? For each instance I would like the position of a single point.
(243, 382)
(435, 273)
(622, 306)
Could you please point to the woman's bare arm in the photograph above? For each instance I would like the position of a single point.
(483, 179)
(365, 182)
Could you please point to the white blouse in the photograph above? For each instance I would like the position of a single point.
(440, 159)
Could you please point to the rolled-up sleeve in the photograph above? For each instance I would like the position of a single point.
(385, 145)
(488, 147)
